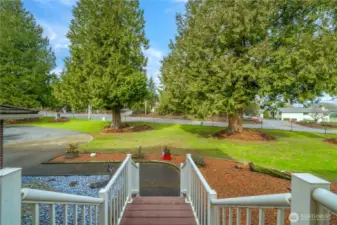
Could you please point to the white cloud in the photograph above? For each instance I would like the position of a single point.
(56, 34)
(58, 70)
(154, 56)
(51, 2)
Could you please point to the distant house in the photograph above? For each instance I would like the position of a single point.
(320, 114)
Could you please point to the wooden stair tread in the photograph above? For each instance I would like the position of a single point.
(158, 214)
(144, 207)
(158, 211)
(158, 221)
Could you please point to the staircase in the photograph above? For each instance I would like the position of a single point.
(158, 211)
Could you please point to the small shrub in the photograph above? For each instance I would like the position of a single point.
(72, 148)
(199, 161)
(138, 154)
(306, 122)
(329, 124)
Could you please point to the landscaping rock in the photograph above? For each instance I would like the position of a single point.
(73, 183)
(237, 166)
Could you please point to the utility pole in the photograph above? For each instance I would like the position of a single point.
(89, 112)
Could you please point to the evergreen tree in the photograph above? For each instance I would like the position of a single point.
(26, 59)
(106, 67)
(229, 52)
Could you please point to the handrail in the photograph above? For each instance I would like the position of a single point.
(326, 198)
(116, 175)
(264, 201)
(200, 176)
(39, 196)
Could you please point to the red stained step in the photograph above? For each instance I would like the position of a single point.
(153, 207)
(158, 221)
(158, 211)
(159, 200)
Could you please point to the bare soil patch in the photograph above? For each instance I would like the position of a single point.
(126, 129)
(229, 179)
(245, 135)
(59, 120)
(20, 121)
(331, 140)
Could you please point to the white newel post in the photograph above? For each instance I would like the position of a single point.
(182, 179)
(304, 210)
(212, 212)
(103, 207)
(10, 196)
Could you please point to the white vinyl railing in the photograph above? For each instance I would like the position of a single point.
(106, 210)
(310, 201)
(118, 192)
(198, 193)
(89, 206)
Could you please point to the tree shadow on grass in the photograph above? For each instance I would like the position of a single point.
(202, 131)
(292, 134)
(214, 153)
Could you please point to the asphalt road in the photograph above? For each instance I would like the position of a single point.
(267, 124)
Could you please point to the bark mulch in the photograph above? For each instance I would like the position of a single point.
(20, 121)
(245, 135)
(331, 140)
(228, 178)
(126, 129)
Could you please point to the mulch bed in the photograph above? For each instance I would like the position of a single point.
(59, 120)
(331, 140)
(30, 120)
(228, 178)
(126, 129)
(245, 135)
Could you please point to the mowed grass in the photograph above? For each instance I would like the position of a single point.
(292, 151)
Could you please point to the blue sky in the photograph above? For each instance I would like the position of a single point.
(55, 15)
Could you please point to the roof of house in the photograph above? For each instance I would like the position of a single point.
(300, 110)
(12, 112)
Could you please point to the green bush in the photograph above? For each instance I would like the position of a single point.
(199, 161)
(307, 122)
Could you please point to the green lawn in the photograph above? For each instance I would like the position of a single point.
(292, 151)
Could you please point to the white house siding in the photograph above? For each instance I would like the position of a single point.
(300, 117)
(294, 116)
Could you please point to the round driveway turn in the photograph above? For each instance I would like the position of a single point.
(14, 134)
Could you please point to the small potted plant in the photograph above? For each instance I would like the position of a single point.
(166, 153)
(72, 151)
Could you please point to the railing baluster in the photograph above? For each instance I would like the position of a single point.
(115, 209)
(111, 216)
(83, 214)
(223, 216)
(90, 215)
(52, 214)
(230, 216)
(36, 214)
(248, 216)
(205, 207)
(238, 216)
(261, 216)
(75, 214)
(280, 216)
(197, 198)
(65, 214)
(96, 215)
(201, 204)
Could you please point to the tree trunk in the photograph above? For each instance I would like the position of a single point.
(235, 123)
(116, 119)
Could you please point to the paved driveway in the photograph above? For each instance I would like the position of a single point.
(28, 147)
(14, 134)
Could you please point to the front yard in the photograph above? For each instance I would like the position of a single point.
(292, 151)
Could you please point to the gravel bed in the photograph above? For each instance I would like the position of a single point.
(63, 184)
